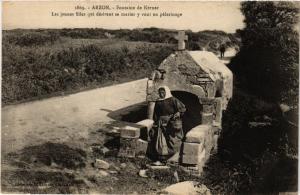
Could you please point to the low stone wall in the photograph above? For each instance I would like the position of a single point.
(197, 145)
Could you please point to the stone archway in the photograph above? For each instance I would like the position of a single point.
(192, 116)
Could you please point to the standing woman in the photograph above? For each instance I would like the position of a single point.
(167, 131)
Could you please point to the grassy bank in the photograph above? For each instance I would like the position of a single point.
(44, 62)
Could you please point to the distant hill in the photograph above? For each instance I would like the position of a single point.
(208, 39)
(44, 62)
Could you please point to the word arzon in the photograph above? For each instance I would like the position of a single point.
(100, 7)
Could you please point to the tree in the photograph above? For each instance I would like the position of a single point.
(267, 63)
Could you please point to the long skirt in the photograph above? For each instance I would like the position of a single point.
(165, 140)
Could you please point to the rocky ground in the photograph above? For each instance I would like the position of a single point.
(51, 146)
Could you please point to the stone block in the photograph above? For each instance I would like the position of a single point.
(101, 164)
(146, 126)
(207, 108)
(150, 87)
(127, 147)
(207, 101)
(215, 144)
(206, 118)
(218, 110)
(148, 123)
(141, 147)
(192, 148)
(197, 134)
(198, 159)
(130, 131)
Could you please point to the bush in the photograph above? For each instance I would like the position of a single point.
(267, 63)
(32, 38)
(29, 73)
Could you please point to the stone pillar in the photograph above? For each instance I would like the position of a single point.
(207, 110)
(218, 111)
(150, 110)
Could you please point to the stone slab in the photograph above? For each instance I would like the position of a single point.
(101, 164)
(129, 131)
(148, 123)
(192, 148)
(197, 134)
(198, 159)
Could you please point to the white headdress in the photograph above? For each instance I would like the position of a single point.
(168, 92)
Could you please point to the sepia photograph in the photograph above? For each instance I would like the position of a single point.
(149, 97)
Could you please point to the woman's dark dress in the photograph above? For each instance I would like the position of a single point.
(163, 113)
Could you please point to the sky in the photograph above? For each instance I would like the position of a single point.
(196, 16)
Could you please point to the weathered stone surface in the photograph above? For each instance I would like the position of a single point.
(148, 123)
(187, 187)
(198, 159)
(130, 132)
(192, 148)
(160, 167)
(150, 87)
(101, 164)
(197, 134)
(123, 165)
(217, 110)
(218, 71)
(127, 147)
(208, 108)
(103, 173)
(207, 100)
(215, 142)
(202, 74)
(206, 118)
(141, 147)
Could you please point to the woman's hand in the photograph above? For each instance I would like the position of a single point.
(176, 115)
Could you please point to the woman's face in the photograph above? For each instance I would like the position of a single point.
(162, 93)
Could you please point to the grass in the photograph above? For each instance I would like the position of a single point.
(47, 62)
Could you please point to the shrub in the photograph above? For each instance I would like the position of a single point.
(267, 63)
(33, 38)
(29, 73)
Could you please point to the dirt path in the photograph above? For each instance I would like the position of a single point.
(67, 118)
(229, 53)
